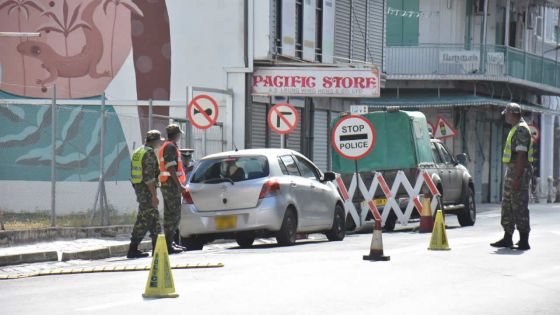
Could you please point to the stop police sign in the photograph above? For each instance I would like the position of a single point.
(353, 137)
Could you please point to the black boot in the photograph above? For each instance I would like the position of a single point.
(504, 242)
(523, 242)
(172, 249)
(133, 252)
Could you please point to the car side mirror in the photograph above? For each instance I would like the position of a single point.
(462, 159)
(328, 177)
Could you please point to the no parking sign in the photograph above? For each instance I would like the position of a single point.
(353, 137)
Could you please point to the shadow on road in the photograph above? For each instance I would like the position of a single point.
(508, 251)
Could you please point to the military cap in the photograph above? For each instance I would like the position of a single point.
(153, 135)
(512, 108)
(173, 129)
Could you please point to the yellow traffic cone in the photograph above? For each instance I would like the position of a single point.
(439, 236)
(160, 281)
(376, 247)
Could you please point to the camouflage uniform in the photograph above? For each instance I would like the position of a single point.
(148, 216)
(171, 196)
(515, 203)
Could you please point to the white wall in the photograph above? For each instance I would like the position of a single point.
(262, 31)
(440, 24)
(207, 38)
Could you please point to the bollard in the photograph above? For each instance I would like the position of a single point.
(550, 187)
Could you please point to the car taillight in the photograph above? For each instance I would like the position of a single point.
(270, 188)
(187, 198)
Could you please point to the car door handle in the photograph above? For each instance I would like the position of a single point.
(292, 184)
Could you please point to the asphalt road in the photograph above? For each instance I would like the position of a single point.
(319, 277)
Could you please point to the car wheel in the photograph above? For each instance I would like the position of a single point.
(245, 239)
(390, 222)
(192, 243)
(467, 216)
(338, 230)
(287, 234)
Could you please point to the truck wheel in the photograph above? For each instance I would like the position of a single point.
(338, 230)
(245, 239)
(467, 216)
(192, 243)
(287, 234)
(390, 222)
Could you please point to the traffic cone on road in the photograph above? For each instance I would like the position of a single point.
(439, 236)
(376, 248)
(160, 281)
(426, 219)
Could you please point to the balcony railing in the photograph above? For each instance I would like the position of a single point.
(460, 60)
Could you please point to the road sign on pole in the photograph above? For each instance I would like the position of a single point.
(535, 133)
(353, 137)
(283, 118)
(203, 111)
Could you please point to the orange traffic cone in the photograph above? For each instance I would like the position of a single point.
(426, 219)
(376, 248)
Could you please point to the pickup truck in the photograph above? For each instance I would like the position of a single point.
(403, 142)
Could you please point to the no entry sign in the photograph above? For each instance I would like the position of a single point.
(353, 137)
(203, 111)
(283, 118)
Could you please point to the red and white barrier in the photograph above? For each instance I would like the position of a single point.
(390, 194)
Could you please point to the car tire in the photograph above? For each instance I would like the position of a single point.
(192, 243)
(287, 234)
(390, 222)
(245, 239)
(467, 216)
(338, 229)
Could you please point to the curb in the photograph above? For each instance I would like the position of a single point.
(25, 258)
(105, 252)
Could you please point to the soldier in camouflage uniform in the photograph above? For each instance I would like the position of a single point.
(172, 177)
(144, 173)
(518, 156)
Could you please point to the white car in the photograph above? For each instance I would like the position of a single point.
(260, 192)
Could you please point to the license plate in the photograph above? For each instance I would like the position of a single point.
(380, 202)
(225, 222)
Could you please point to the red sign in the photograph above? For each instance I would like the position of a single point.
(327, 82)
(203, 111)
(431, 128)
(283, 118)
(535, 132)
(353, 137)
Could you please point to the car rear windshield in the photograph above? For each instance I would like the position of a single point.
(231, 169)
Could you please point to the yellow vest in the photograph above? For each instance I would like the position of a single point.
(506, 158)
(136, 164)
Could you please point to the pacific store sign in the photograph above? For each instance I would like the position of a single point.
(316, 82)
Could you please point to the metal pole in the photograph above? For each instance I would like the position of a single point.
(542, 44)
(483, 44)
(53, 157)
(506, 33)
(282, 140)
(150, 113)
(103, 197)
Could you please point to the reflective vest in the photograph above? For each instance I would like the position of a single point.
(506, 158)
(163, 172)
(136, 164)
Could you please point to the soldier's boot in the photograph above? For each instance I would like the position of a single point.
(523, 243)
(171, 249)
(134, 252)
(506, 241)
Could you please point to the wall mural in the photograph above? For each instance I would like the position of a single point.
(83, 45)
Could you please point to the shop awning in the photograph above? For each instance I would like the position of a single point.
(447, 102)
